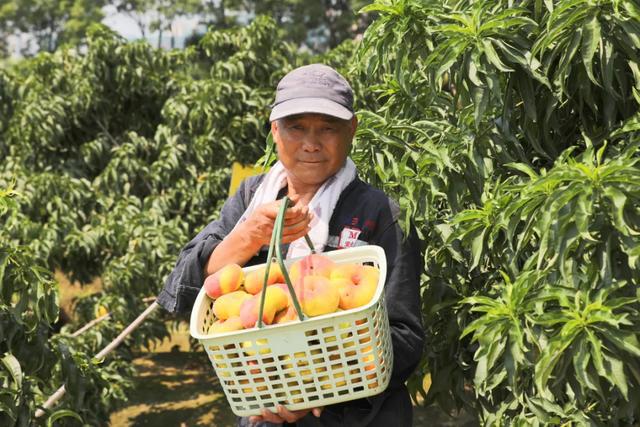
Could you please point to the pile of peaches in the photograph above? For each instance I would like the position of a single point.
(321, 287)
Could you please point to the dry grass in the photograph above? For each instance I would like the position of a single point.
(175, 387)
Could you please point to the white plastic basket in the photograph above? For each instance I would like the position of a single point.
(303, 364)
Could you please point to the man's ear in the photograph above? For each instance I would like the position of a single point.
(354, 125)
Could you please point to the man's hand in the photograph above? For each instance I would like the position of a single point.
(284, 415)
(254, 233)
(259, 225)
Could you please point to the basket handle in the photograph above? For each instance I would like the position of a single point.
(276, 238)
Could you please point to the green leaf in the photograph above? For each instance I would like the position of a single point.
(476, 249)
(526, 169)
(618, 377)
(62, 413)
(590, 41)
(493, 57)
(380, 7)
(618, 199)
(13, 366)
(551, 355)
(626, 341)
(565, 60)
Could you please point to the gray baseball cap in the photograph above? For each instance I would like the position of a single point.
(315, 88)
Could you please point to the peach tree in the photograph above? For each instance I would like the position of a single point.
(508, 131)
(115, 158)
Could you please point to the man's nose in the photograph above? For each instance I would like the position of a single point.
(312, 141)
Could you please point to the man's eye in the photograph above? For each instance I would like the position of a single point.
(295, 127)
(329, 129)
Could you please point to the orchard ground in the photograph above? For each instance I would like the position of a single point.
(178, 387)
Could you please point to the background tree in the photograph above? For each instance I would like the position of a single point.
(118, 155)
(509, 133)
(49, 23)
(158, 15)
(315, 25)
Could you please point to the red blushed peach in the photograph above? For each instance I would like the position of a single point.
(275, 300)
(287, 315)
(254, 280)
(317, 296)
(311, 265)
(228, 279)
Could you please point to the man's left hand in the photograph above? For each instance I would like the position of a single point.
(284, 415)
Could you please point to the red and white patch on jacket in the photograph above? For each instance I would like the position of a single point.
(348, 237)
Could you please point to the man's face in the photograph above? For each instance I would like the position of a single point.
(313, 147)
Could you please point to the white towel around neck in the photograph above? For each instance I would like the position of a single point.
(322, 204)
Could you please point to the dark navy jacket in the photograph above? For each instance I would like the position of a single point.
(363, 215)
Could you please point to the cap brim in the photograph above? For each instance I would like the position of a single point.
(310, 105)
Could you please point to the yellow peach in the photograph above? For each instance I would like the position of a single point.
(361, 292)
(317, 296)
(228, 279)
(228, 305)
(246, 345)
(254, 280)
(228, 325)
(275, 300)
(341, 284)
(349, 272)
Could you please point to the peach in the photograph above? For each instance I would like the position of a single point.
(227, 279)
(370, 366)
(290, 314)
(287, 315)
(341, 284)
(362, 290)
(254, 280)
(311, 265)
(337, 375)
(228, 325)
(350, 272)
(228, 305)
(247, 345)
(325, 384)
(275, 300)
(284, 287)
(317, 296)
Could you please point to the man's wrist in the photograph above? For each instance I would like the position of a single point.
(248, 244)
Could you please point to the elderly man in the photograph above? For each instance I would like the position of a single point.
(313, 125)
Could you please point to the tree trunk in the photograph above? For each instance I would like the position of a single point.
(159, 33)
(140, 24)
(222, 20)
(52, 28)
